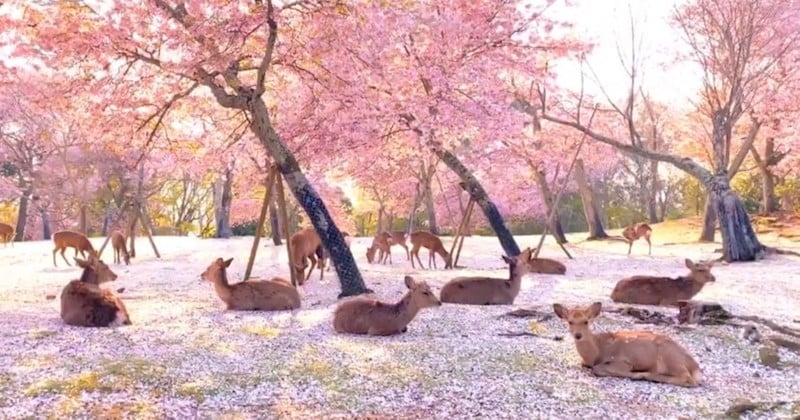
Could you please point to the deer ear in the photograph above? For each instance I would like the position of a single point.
(689, 263)
(81, 263)
(560, 310)
(506, 259)
(594, 309)
(410, 282)
(227, 263)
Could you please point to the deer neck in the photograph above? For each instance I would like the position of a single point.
(221, 286)
(515, 278)
(89, 276)
(589, 349)
(690, 284)
(405, 310)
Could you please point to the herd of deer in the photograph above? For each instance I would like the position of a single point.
(628, 354)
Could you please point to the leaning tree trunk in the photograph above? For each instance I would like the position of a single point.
(739, 240)
(709, 220)
(22, 216)
(307, 197)
(223, 195)
(476, 191)
(274, 222)
(547, 196)
(591, 208)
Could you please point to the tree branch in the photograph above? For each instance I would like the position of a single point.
(271, 41)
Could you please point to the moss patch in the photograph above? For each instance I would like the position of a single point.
(262, 331)
(74, 386)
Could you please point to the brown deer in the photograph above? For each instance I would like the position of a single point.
(64, 239)
(85, 304)
(664, 291)
(488, 290)
(428, 240)
(398, 237)
(367, 315)
(381, 243)
(276, 294)
(304, 244)
(629, 354)
(7, 234)
(636, 231)
(118, 244)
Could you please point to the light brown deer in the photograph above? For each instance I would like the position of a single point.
(488, 290)
(636, 231)
(367, 315)
(276, 294)
(629, 354)
(304, 244)
(664, 291)
(118, 245)
(64, 239)
(85, 304)
(381, 243)
(420, 239)
(399, 237)
(7, 234)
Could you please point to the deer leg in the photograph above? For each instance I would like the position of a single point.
(418, 260)
(408, 256)
(54, 256)
(685, 379)
(617, 368)
(630, 246)
(65, 257)
(649, 245)
(311, 266)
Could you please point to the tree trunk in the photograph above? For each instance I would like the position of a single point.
(46, 233)
(83, 220)
(106, 220)
(223, 196)
(651, 193)
(430, 208)
(132, 233)
(708, 231)
(591, 207)
(739, 240)
(478, 194)
(304, 193)
(379, 223)
(274, 222)
(22, 216)
(547, 196)
(769, 204)
(412, 215)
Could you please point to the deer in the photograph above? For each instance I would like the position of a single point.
(304, 244)
(489, 290)
(664, 291)
(276, 294)
(85, 304)
(382, 244)
(118, 244)
(367, 315)
(428, 240)
(7, 234)
(64, 239)
(629, 354)
(636, 231)
(398, 237)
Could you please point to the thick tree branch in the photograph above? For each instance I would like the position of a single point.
(271, 41)
(748, 141)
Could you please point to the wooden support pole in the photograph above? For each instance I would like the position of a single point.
(458, 238)
(281, 198)
(148, 228)
(262, 217)
(467, 217)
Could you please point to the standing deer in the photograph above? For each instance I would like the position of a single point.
(629, 354)
(664, 291)
(7, 234)
(636, 231)
(398, 237)
(488, 290)
(85, 304)
(381, 243)
(118, 245)
(276, 294)
(304, 244)
(366, 315)
(64, 239)
(428, 240)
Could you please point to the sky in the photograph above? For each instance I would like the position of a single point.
(607, 22)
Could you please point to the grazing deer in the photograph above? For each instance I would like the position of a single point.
(304, 244)
(7, 234)
(118, 244)
(398, 237)
(366, 315)
(664, 291)
(276, 294)
(381, 243)
(64, 239)
(636, 231)
(487, 290)
(85, 304)
(428, 240)
(629, 354)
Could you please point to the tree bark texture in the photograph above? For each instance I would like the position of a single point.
(46, 231)
(22, 216)
(430, 208)
(480, 196)
(652, 192)
(591, 208)
(223, 196)
(274, 223)
(708, 231)
(332, 239)
(555, 224)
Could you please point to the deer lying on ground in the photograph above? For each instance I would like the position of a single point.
(664, 291)
(85, 304)
(7, 234)
(546, 265)
(381, 243)
(304, 244)
(636, 231)
(420, 239)
(487, 290)
(629, 354)
(276, 294)
(366, 315)
(64, 239)
(118, 245)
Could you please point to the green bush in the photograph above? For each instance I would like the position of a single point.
(247, 228)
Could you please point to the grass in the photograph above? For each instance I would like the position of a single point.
(73, 387)
(110, 376)
(262, 331)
